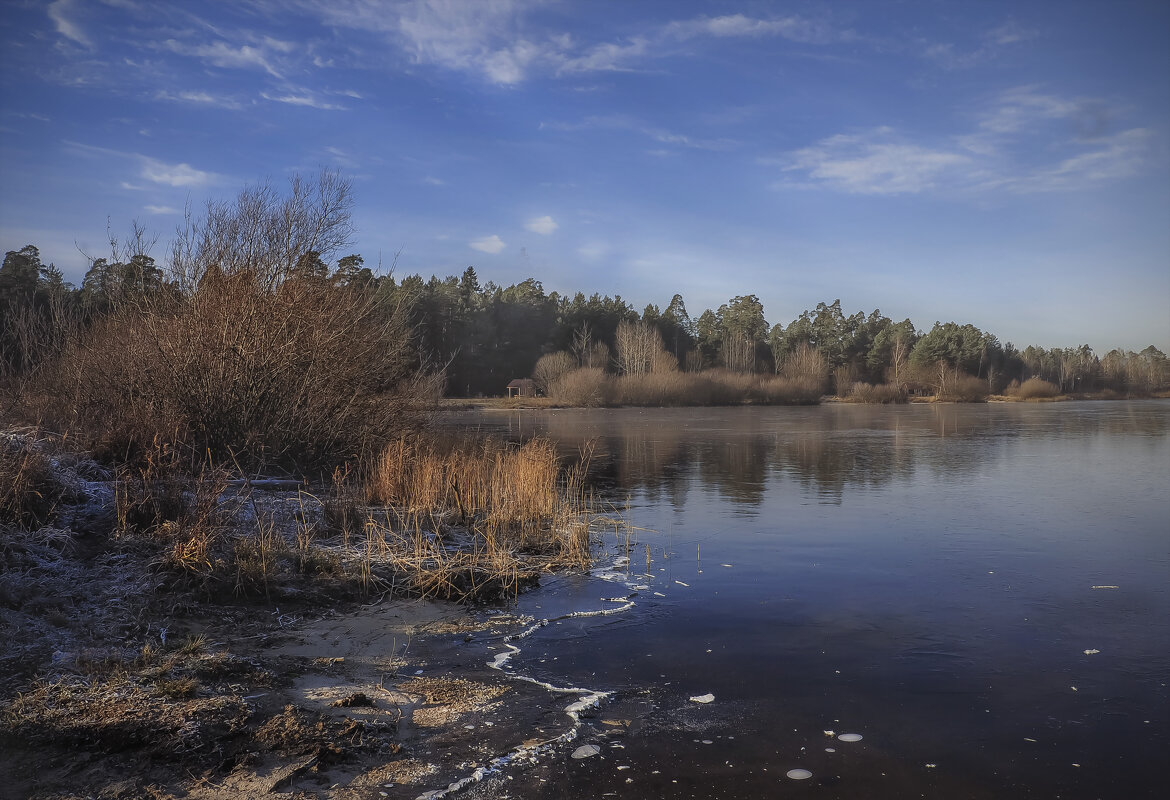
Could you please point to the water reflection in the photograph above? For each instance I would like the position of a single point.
(665, 454)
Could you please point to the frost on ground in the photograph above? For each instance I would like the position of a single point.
(123, 677)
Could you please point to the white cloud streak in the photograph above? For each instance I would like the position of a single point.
(199, 98)
(58, 12)
(161, 172)
(874, 163)
(492, 38)
(305, 99)
(222, 54)
(545, 226)
(488, 244)
(999, 155)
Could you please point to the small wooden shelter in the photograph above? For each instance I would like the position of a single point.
(522, 387)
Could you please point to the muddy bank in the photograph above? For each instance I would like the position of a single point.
(124, 677)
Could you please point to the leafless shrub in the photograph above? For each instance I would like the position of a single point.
(806, 363)
(962, 388)
(254, 362)
(791, 391)
(1034, 388)
(265, 233)
(550, 368)
(587, 387)
(861, 392)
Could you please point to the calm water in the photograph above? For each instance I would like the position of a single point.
(921, 575)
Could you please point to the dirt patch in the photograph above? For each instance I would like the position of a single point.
(448, 699)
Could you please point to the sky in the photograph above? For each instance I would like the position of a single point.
(1004, 164)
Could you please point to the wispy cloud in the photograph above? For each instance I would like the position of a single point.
(607, 57)
(1114, 158)
(793, 28)
(488, 244)
(1022, 107)
(1009, 33)
(60, 12)
(545, 226)
(303, 98)
(987, 46)
(495, 40)
(199, 98)
(161, 172)
(150, 168)
(222, 54)
(624, 122)
(160, 210)
(1000, 154)
(876, 162)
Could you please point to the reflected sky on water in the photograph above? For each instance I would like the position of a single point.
(922, 573)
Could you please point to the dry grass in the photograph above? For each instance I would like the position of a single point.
(791, 391)
(29, 491)
(1033, 389)
(861, 392)
(964, 389)
(673, 388)
(516, 511)
(588, 387)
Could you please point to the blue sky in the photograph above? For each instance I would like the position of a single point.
(1003, 164)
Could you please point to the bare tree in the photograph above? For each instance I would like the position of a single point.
(739, 353)
(899, 353)
(264, 232)
(589, 352)
(638, 344)
(550, 368)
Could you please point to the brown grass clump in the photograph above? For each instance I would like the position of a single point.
(588, 387)
(791, 391)
(657, 389)
(483, 481)
(964, 389)
(518, 513)
(861, 392)
(29, 491)
(1034, 389)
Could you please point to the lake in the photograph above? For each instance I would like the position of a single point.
(982, 592)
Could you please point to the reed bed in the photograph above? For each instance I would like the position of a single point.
(472, 518)
(1033, 389)
(593, 387)
(881, 393)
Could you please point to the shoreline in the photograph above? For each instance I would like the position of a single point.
(121, 679)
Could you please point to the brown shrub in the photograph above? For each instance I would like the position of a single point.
(1034, 388)
(964, 389)
(588, 387)
(806, 363)
(304, 373)
(791, 391)
(550, 368)
(862, 392)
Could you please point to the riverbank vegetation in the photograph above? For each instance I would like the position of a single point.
(213, 392)
(251, 287)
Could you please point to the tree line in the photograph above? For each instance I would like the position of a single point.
(481, 335)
